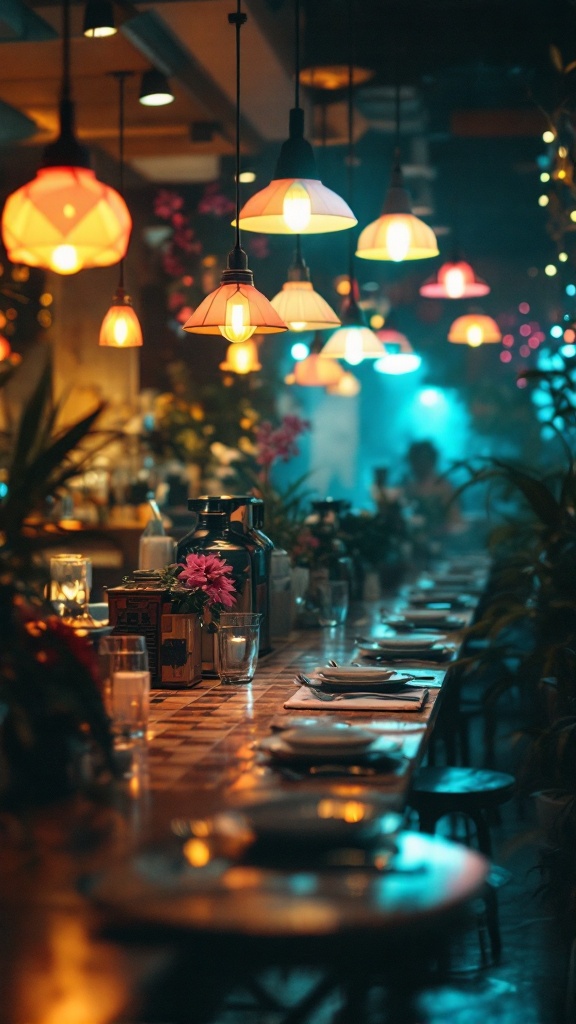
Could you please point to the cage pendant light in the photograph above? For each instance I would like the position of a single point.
(397, 235)
(236, 309)
(65, 219)
(299, 305)
(353, 341)
(120, 327)
(296, 202)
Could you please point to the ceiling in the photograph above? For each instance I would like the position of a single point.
(477, 83)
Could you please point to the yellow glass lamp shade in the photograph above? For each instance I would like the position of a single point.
(299, 306)
(474, 329)
(397, 235)
(242, 357)
(315, 372)
(120, 327)
(347, 387)
(236, 309)
(296, 201)
(66, 220)
(454, 280)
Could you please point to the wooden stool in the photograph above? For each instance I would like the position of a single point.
(474, 793)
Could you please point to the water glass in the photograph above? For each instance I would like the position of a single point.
(70, 582)
(238, 648)
(127, 684)
(333, 602)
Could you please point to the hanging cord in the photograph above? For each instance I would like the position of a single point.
(238, 19)
(66, 91)
(297, 52)
(121, 77)
(350, 140)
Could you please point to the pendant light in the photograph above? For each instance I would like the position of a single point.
(121, 327)
(315, 372)
(353, 341)
(302, 308)
(155, 90)
(397, 235)
(66, 220)
(242, 357)
(236, 309)
(454, 280)
(474, 329)
(99, 21)
(296, 202)
(5, 348)
(400, 357)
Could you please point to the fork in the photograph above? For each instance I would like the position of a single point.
(329, 697)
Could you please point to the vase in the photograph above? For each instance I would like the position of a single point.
(180, 651)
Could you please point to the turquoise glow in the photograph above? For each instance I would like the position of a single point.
(299, 351)
(399, 363)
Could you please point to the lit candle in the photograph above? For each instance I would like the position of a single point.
(130, 693)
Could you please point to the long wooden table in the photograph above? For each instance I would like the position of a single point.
(68, 872)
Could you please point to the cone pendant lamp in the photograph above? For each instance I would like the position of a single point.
(302, 308)
(242, 358)
(397, 235)
(296, 202)
(121, 327)
(236, 310)
(65, 219)
(315, 372)
(474, 329)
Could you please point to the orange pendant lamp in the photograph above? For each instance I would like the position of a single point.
(120, 327)
(454, 280)
(397, 235)
(347, 387)
(296, 202)
(236, 310)
(242, 357)
(474, 329)
(65, 219)
(302, 308)
(315, 372)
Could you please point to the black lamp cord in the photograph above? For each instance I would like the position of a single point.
(297, 53)
(237, 19)
(66, 90)
(351, 240)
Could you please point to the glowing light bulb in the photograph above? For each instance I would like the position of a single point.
(237, 326)
(398, 240)
(545, 176)
(64, 259)
(550, 270)
(563, 257)
(454, 283)
(296, 208)
(297, 325)
(548, 136)
(353, 347)
(474, 335)
(543, 200)
(120, 331)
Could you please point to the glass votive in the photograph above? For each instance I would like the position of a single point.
(333, 602)
(127, 686)
(70, 583)
(238, 650)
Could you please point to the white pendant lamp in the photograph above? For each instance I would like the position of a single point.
(400, 357)
(296, 202)
(302, 308)
(65, 219)
(120, 327)
(236, 310)
(397, 235)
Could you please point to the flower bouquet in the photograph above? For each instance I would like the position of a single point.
(200, 587)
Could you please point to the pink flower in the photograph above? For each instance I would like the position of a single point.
(210, 574)
(279, 443)
(167, 203)
(215, 202)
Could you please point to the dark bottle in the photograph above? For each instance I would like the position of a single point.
(331, 560)
(246, 515)
(212, 535)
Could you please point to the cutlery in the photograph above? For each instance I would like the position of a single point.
(329, 697)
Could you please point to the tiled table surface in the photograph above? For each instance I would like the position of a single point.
(205, 738)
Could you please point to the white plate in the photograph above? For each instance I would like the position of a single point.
(327, 737)
(353, 672)
(412, 640)
(387, 680)
(279, 750)
(427, 615)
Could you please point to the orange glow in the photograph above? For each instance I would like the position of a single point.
(197, 852)
(5, 347)
(314, 372)
(66, 220)
(475, 329)
(120, 327)
(242, 358)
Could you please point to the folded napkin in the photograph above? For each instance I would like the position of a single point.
(305, 700)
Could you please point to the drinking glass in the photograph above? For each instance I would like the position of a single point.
(333, 602)
(238, 644)
(127, 689)
(70, 582)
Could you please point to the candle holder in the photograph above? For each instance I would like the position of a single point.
(70, 583)
(127, 685)
(238, 642)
